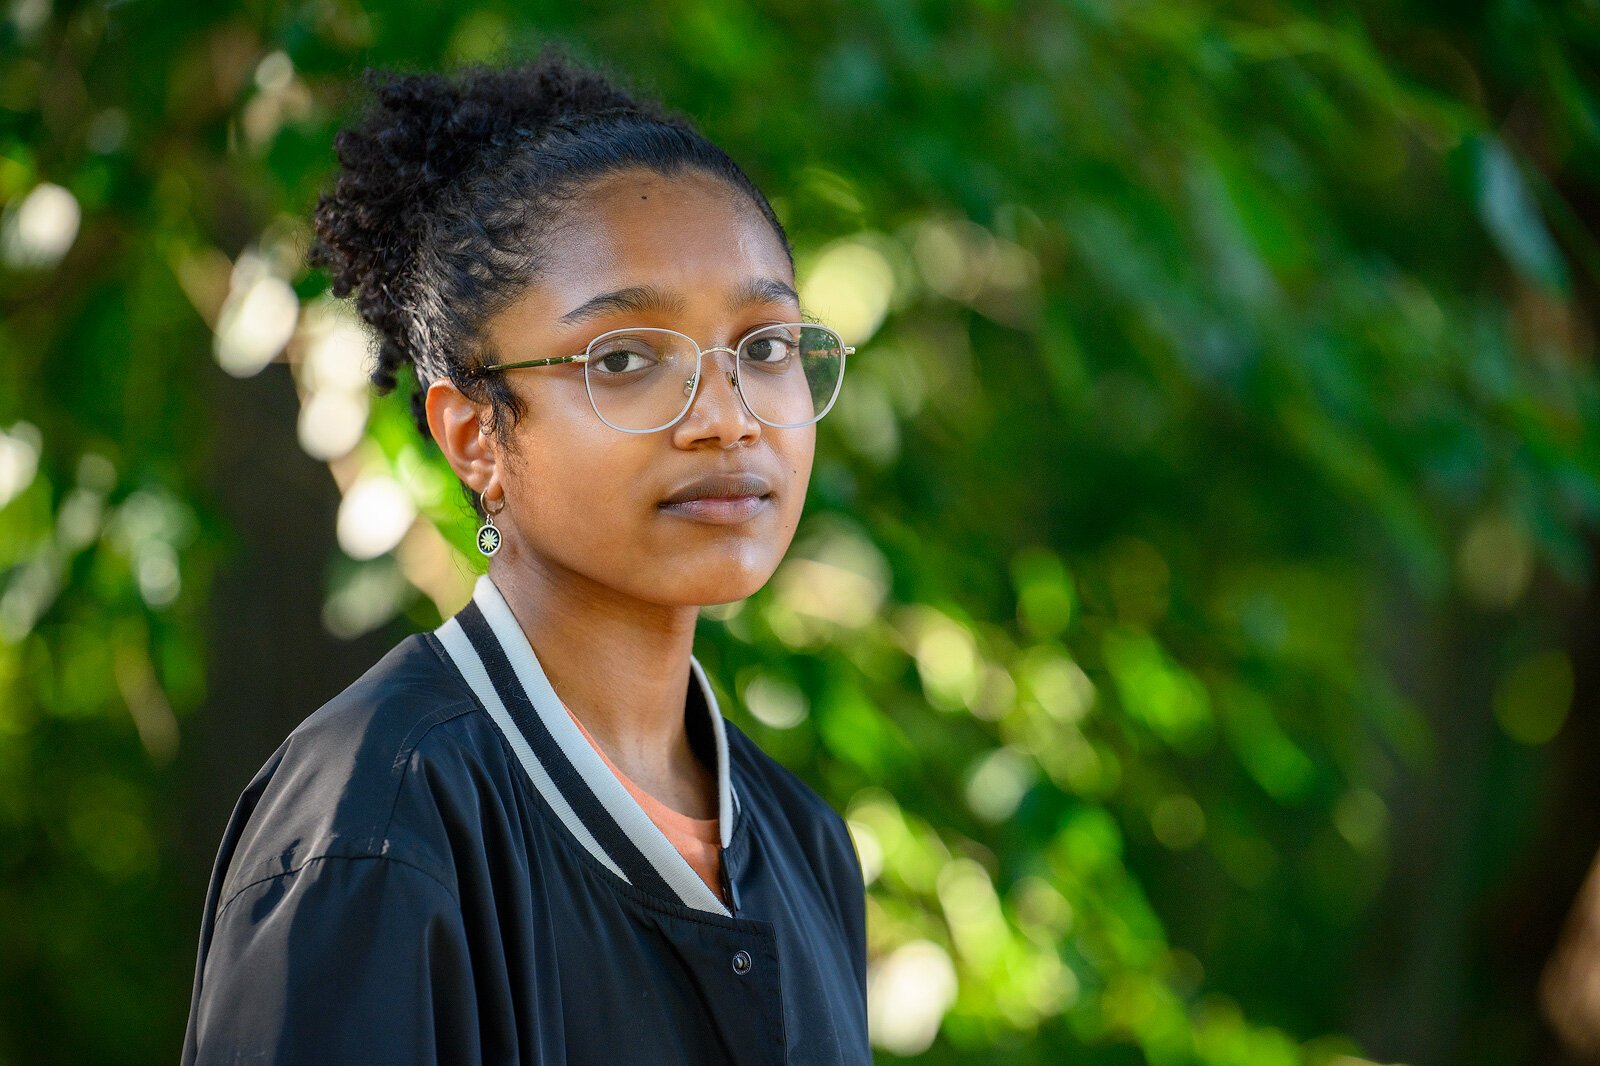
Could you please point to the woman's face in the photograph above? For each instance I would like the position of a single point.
(589, 498)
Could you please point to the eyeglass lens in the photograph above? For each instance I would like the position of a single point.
(643, 379)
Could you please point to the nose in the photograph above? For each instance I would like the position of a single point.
(717, 411)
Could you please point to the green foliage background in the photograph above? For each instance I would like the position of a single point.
(1185, 610)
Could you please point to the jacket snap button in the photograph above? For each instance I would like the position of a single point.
(741, 962)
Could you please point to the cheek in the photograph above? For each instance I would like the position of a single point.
(577, 476)
(797, 452)
(583, 497)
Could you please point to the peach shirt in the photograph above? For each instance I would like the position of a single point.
(696, 839)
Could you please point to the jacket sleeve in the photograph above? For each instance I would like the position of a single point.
(346, 959)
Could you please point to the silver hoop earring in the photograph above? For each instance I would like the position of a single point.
(488, 535)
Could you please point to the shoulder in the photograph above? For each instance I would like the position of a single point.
(367, 774)
(364, 733)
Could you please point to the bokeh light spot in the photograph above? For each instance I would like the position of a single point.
(1531, 702)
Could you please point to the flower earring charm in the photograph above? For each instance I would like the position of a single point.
(488, 535)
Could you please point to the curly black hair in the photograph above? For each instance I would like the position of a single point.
(447, 185)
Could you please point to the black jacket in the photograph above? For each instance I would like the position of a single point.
(434, 867)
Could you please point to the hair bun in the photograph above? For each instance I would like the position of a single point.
(414, 140)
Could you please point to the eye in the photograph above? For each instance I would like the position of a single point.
(770, 349)
(616, 362)
(625, 354)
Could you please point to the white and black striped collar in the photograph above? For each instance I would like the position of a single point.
(489, 648)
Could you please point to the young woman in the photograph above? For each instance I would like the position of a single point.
(529, 835)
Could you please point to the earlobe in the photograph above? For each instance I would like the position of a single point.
(456, 424)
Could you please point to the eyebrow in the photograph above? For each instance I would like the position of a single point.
(763, 291)
(640, 298)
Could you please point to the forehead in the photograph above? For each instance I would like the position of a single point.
(690, 232)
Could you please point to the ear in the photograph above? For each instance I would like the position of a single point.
(456, 423)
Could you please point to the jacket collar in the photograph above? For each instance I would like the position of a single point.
(487, 645)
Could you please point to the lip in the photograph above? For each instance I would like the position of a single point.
(718, 510)
(727, 485)
(726, 497)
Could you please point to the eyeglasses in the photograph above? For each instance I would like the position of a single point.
(644, 379)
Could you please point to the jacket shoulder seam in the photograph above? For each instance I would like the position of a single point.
(294, 870)
(402, 755)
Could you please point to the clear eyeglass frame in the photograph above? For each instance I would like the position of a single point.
(584, 357)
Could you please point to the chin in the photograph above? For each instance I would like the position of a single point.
(728, 592)
(714, 570)
(723, 582)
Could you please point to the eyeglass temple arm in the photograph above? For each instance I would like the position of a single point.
(581, 357)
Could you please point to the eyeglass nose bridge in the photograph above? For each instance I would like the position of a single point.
(733, 376)
(688, 385)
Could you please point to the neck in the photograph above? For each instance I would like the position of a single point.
(621, 665)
